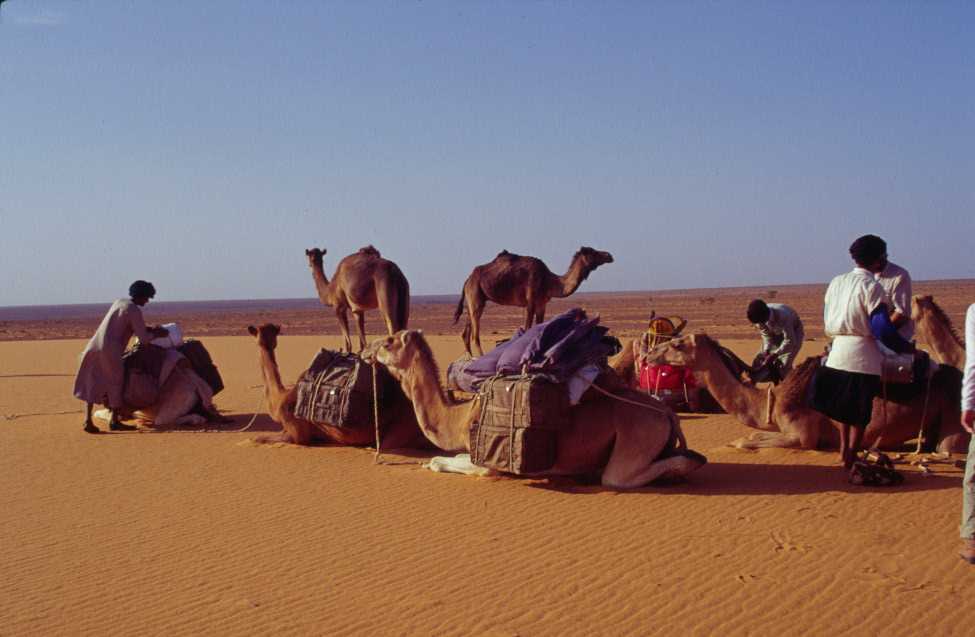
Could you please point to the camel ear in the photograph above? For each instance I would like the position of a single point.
(252, 330)
(307, 252)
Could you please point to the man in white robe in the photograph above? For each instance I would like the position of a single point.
(101, 373)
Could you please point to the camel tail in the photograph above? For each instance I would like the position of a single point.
(460, 306)
(403, 307)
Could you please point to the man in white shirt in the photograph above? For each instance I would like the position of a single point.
(856, 316)
(896, 282)
(968, 422)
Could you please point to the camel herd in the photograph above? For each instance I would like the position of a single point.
(624, 436)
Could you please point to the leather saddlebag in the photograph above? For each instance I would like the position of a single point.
(898, 369)
(202, 364)
(517, 424)
(336, 390)
(141, 389)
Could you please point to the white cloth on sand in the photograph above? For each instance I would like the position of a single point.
(101, 374)
(461, 463)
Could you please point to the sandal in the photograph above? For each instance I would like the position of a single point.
(871, 472)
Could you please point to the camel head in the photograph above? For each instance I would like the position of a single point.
(922, 307)
(266, 335)
(591, 259)
(315, 256)
(678, 351)
(396, 352)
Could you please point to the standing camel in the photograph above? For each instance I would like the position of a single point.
(363, 281)
(934, 327)
(512, 279)
(629, 443)
(401, 432)
(795, 424)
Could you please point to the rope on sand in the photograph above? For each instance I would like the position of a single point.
(48, 413)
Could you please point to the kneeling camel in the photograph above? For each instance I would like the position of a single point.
(401, 432)
(627, 443)
(794, 424)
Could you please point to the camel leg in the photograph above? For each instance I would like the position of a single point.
(636, 446)
(529, 316)
(475, 307)
(671, 468)
(342, 316)
(466, 336)
(89, 424)
(540, 315)
(361, 320)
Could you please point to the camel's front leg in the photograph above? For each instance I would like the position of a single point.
(342, 316)
(360, 317)
(539, 314)
(529, 316)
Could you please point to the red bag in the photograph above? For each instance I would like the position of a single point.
(656, 378)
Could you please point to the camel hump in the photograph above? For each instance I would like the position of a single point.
(505, 255)
(369, 250)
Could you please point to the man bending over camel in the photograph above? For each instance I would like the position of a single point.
(101, 372)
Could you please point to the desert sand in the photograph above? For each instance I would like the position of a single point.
(189, 532)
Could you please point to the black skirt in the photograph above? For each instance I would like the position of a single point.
(846, 397)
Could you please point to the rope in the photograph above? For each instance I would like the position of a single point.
(375, 410)
(924, 413)
(661, 410)
(50, 413)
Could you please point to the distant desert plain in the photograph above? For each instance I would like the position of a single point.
(205, 532)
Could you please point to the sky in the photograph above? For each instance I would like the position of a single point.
(205, 145)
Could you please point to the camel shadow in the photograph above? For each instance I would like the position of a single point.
(721, 479)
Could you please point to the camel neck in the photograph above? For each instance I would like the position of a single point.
(322, 285)
(273, 387)
(444, 424)
(743, 401)
(945, 343)
(569, 282)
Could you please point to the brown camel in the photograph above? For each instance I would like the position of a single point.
(401, 432)
(934, 328)
(629, 443)
(512, 279)
(363, 281)
(794, 424)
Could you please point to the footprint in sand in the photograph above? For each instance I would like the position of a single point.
(784, 542)
(746, 579)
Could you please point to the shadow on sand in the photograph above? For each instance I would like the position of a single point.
(719, 478)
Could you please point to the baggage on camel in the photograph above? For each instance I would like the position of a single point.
(525, 388)
(202, 364)
(337, 390)
(517, 422)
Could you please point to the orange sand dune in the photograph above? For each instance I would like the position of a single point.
(207, 533)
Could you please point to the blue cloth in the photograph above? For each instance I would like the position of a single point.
(557, 348)
(886, 333)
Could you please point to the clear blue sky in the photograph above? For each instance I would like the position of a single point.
(205, 145)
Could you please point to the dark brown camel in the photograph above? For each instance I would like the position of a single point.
(363, 281)
(512, 279)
